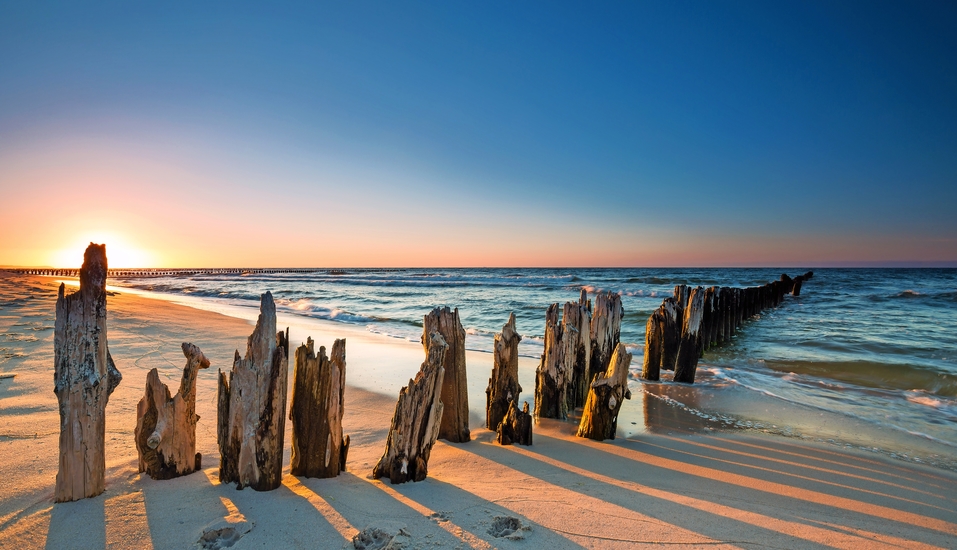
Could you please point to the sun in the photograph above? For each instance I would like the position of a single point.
(120, 252)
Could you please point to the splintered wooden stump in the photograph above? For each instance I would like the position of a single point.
(576, 349)
(671, 319)
(551, 378)
(318, 446)
(416, 421)
(796, 288)
(605, 331)
(455, 396)
(165, 431)
(689, 347)
(516, 427)
(608, 391)
(503, 386)
(84, 376)
(252, 407)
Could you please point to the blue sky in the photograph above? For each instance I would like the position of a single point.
(626, 133)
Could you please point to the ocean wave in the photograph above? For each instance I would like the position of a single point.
(869, 374)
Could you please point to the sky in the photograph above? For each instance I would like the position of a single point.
(356, 134)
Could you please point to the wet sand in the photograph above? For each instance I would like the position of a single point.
(672, 477)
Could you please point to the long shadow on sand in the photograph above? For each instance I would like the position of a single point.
(86, 517)
(690, 492)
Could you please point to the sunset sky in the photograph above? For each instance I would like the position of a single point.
(479, 134)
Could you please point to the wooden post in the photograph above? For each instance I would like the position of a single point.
(651, 366)
(576, 340)
(608, 391)
(796, 289)
(671, 317)
(605, 331)
(84, 376)
(416, 421)
(455, 392)
(516, 427)
(551, 379)
(688, 354)
(318, 446)
(503, 387)
(252, 407)
(165, 432)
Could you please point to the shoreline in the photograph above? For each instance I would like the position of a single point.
(690, 487)
(713, 405)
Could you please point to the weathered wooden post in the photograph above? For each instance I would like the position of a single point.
(605, 330)
(576, 349)
(672, 317)
(416, 421)
(551, 379)
(165, 432)
(455, 393)
(84, 376)
(516, 427)
(608, 390)
(651, 366)
(318, 446)
(503, 387)
(688, 349)
(252, 407)
(796, 289)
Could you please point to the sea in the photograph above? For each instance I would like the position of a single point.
(875, 349)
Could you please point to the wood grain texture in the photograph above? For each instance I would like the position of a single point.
(318, 446)
(252, 407)
(84, 376)
(165, 430)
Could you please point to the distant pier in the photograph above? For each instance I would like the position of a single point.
(133, 273)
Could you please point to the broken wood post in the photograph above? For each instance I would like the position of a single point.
(455, 394)
(165, 432)
(503, 387)
(608, 391)
(252, 407)
(84, 376)
(671, 315)
(516, 427)
(416, 421)
(688, 354)
(316, 408)
(576, 339)
(605, 330)
(551, 379)
(651, 366)
(796, 289)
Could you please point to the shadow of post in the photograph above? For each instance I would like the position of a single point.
(78, 524)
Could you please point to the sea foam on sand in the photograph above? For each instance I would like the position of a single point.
(694, 489)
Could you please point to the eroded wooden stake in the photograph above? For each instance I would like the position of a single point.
(165, 430)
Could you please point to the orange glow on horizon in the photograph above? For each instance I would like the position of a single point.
(120, 252)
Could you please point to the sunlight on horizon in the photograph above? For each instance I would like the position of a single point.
(120, 252)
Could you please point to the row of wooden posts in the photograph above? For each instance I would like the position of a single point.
(696, 319)
(584, 365)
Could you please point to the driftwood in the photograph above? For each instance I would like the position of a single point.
(455, 394)
(503, 387)
(316, 408)
(605, 331)
(84, 376)
(516, 427)
(165, 431)
(608, 391)
(416, 421)
(551, 377)
(576, 349)
(252, 407)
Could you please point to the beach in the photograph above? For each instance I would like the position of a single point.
(672, 477)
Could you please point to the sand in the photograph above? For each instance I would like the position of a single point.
(671, 479)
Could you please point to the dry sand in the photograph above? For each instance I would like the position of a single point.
(669, 483)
